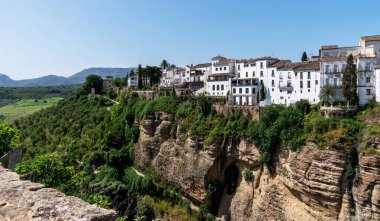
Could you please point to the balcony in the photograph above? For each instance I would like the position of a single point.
(244, 82)
(285, 85)
(333, 71)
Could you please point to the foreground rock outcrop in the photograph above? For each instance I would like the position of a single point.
(307, 185)
(22, 200)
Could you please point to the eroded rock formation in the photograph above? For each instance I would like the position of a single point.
(22, 200)
(306, 185)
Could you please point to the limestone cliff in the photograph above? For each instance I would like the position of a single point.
(22, 200)
(307, 185)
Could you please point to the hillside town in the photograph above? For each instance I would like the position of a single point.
(267, 80)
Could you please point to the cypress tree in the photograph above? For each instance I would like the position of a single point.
(140, 74)
(350, 84)
(304, 56)
(262, 91)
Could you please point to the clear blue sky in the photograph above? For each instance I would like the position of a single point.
(43, 37)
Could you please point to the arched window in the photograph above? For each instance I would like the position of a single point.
(217, 87)
(213, 87)
(222, 87)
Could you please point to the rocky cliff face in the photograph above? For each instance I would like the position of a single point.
(306, 185)
(23, 201)
(366, 190)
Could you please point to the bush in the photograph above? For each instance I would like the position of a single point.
(47, 169)
(144, 211)
(247, 174)
(303, 106)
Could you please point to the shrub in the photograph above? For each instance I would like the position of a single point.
(303, 106)
(247, 174)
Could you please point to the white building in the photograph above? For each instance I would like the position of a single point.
(132, 81)
(295, 82)
(334, 59)
(218, 81)
(195, 75)
(377, 82)
(172, 77)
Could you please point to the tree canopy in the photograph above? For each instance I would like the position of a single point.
(350, 84)
(304, 57)
(93, 81)
(9, 138)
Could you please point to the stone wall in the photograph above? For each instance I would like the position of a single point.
(22, 200)
(250, 111)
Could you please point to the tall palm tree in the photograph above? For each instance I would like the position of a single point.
(164, 64)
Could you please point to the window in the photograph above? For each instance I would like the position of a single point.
(272, 89)
(247, 90)
(222, 87)
(368, 79)
(253, 90)
(272, 83)
(238, 67)
(289, 92)
(335, 68)
(238, 74)
(261, 74)
(308, 84)
(308, 90)
(368, 91)
(272, 73)
(308, 75)
(335, 81)
(213, 87)
(240, 90)
(327, 68)
(225, 68)
(301, 84)
(316, 82)
(261, 65)
(343, 67)
(295, 74)
(234, 91)
(301, 75)
(246, 74)
(216, 69)
(217, 87)
(253, 74)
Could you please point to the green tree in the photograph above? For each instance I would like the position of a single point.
(327, 94)
(263, 92)
(164, 64)
(140, 76)
(119, 82)
(153, 73)
(9, 138)
(349, 82)
(304, 57)
(173, 66)
(93, 81)
(47, 169)
(303, 105)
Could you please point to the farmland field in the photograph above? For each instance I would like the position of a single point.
(22, 108)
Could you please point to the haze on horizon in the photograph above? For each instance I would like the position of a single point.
(39, 37)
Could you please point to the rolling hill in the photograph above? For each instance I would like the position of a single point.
(54, 80)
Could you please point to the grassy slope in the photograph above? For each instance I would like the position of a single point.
(25, 107)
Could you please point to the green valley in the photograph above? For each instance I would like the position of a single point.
(23, 108)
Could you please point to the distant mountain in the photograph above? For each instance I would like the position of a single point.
(80, 77)
(53, 80)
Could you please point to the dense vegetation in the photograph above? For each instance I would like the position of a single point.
(84, 146)
(9, 138)
(10, 95)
